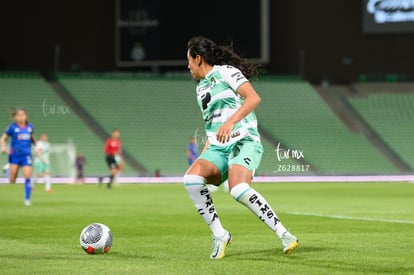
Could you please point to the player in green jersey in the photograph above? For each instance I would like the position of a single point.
(233, 151)
(42, 163)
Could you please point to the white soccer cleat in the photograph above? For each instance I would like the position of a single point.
(220, 245)
(289, 242)
(27, 203)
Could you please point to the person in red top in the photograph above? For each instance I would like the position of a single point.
(113, 156)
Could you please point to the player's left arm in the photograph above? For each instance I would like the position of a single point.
(252, 100)
(34, 140)
(120, 153)
(121, 162)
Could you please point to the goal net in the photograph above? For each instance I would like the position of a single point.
(62, 159)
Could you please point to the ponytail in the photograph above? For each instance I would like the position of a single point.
(220, 55)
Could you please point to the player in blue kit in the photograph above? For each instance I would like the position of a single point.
(20, 155)
(192, 151)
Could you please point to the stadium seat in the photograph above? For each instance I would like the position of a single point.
(296, 115)
(391, 115)
(51, 115)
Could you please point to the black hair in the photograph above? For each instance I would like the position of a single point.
(215, 54)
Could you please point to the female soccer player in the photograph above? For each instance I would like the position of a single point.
(20, 155)
(79, 164)
(113, 156)
(41, 162)
(227, 101)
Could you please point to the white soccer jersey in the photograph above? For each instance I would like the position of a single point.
(44, 149)
(218, 99)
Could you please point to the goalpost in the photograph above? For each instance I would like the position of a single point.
(62, 159)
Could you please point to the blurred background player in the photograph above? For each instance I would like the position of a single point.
(79, 163)
(41, 163)
(192, 151)
(20, 154)
(113, 156)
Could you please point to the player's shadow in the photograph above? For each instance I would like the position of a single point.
(132, 256)
(263, 254)
(267, 255)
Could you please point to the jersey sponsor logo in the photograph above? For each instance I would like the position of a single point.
(235, 134)
(209, 86)
(238, 75)
(202, 89)
(210, 118)
(23, 136)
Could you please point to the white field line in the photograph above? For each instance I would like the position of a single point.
(266, 179)
(342, 217)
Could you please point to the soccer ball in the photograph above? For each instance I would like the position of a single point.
(96, 238)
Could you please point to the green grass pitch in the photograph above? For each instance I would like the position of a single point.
(344, 228)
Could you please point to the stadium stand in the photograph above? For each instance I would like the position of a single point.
(156, 115)
(296, 116)
(49, 114)
(390, 114)
(291, 110)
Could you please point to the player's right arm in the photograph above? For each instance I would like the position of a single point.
(3, 143)
(39, 154)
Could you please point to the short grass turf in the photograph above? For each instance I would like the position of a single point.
(344, 228)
